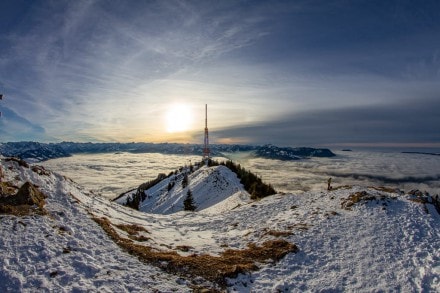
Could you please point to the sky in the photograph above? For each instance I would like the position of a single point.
(330, 73)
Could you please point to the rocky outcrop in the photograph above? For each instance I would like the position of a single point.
(27, 200)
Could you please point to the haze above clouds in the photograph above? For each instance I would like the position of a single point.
(287, 72)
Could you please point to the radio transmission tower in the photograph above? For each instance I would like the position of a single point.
(206, 152)
(1, 98)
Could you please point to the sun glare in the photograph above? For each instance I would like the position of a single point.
(179, 118)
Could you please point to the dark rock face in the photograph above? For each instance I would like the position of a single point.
(28, 194)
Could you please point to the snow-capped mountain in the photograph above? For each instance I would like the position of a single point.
(35, 151)
(32, 151)
(209, 186)
(354, 239)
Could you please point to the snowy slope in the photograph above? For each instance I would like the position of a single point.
(66, 251)
(210, 186)
(389, 245)
(386, 242)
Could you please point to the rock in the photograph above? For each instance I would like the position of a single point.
(24, 201)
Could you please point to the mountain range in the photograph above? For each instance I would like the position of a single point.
(36, 151)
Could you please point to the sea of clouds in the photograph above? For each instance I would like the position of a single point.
(113, 173)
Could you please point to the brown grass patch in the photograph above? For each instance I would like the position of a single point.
(279, 233)
(7, 188)
(422, 198)
(20, 210)
(355, 198)
(131, 229)
(40, 170)
(212, 268)
(386, 189)
(341, 187)
(141, 238)
(299, 226)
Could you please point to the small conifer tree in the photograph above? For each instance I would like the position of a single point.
(188, 203)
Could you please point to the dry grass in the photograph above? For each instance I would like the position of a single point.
(355, 198)
(386, 189)
(131, 229)
(212, 268)
(279, 233)
(40, 170)
(363, 196)
(7, 189)
(299, 226)
(422, 198)
(341, 187)
(141, 238)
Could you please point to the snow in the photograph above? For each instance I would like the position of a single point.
(390, 243)
(210, 186)
(34, 249)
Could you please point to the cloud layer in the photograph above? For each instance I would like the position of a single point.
(112, 174)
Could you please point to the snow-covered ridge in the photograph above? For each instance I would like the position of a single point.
(384, 241)
(210, 186)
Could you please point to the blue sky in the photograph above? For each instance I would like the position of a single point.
(293, 73)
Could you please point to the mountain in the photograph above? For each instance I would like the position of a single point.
(210, 186)
(351, 238)
(34, 151)
(287, 153)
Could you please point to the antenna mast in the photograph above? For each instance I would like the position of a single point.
(1, 98)
(206, 152)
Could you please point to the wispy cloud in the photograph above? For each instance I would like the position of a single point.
(108, 70)
(13, 127)
(82, 62)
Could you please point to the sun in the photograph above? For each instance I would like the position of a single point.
(179, 118)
